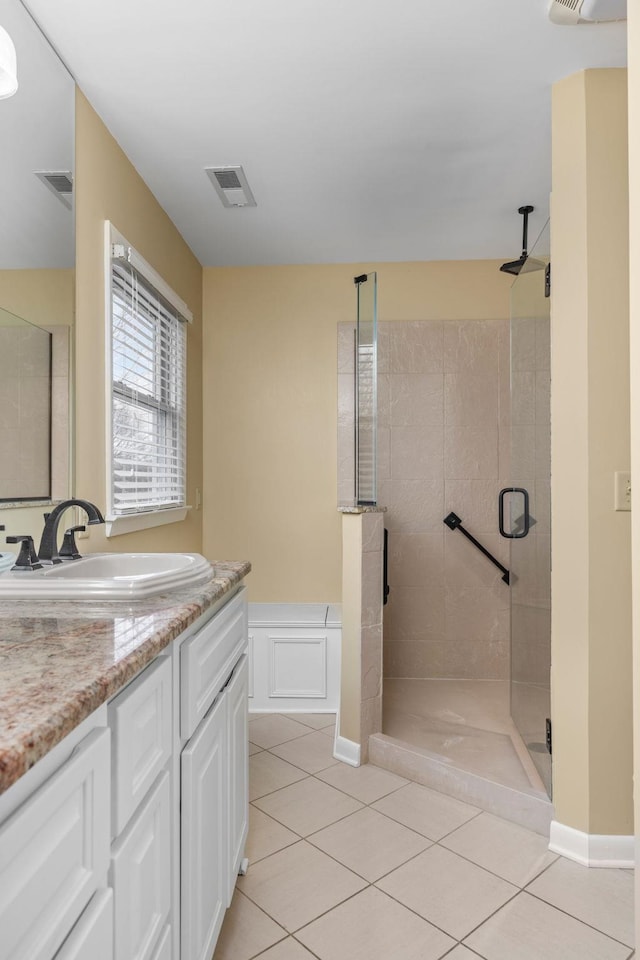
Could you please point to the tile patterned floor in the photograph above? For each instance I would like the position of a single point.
(358, 864)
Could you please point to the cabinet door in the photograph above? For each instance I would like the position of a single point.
(54, 853)
(236, 695)
(140, 873)
(163, 950)
(92, 936)
(204, 835)
(140, 718)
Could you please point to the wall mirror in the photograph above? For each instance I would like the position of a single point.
(37, 259)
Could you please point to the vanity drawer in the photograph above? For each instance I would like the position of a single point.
(207, 659)
(54, 853)
(140, 718)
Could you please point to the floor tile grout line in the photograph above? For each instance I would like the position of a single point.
(571, 917)
(368, 884)
(252, 803)
(298, 736)
(304, 837)
(268, 915)
(413, 828)
(271, 792)
(362, 802)
(416, 833)
(461, 944)
(452, 936)
(293, 933)
(370, 805)
(493, 873)
(258, 715)
(269, 750)
(455, 829)
(371, 883)
(366, 803)
(308, 836)
(492, 914)
(583, 922)
(305, 947)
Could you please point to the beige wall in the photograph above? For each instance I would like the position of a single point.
(43, 297)
(591, 627)
(109, 188)
(634, 307)
(270, 386)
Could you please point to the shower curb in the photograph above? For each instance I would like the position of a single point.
(532, 810)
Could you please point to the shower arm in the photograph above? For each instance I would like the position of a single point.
(525, 211)
(454, 522)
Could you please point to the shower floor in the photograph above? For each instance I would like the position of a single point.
(464, 723)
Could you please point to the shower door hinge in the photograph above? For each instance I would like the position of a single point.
(549, 740)
(547, 280)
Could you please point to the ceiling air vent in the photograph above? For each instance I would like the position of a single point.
(571, 12)
(59, 182)
(231, 186)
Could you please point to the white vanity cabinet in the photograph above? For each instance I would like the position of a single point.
(180, 791)
(141, 719)
(214, 775)
(92, 936)
(54, 853)
(204, 835)
(237, 693)
(124, 842)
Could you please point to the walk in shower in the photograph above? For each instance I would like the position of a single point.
(463, 413)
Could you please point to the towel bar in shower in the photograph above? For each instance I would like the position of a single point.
(454, 522)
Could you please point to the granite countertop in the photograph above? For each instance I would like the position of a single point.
(59, 661)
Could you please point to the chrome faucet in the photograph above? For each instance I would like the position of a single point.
(48, 552)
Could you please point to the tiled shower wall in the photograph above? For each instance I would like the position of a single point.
(443, 445)
(25, 388)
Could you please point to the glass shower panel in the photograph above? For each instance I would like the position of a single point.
(366, 400)
(531, 471)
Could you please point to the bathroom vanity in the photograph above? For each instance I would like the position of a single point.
(123, 766)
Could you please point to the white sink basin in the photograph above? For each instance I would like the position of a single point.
(108, 576)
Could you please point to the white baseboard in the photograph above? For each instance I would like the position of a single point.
(347, 750)
(590, 849)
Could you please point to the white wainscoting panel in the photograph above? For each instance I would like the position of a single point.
(294, 654)
(298, 666)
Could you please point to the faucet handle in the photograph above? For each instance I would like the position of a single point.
(69, 550)
(27, 558)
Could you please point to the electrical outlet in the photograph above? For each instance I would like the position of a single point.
(622, 494)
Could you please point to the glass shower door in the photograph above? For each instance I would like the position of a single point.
(531, 472)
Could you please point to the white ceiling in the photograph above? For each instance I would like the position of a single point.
(369, 130)
(36, 133)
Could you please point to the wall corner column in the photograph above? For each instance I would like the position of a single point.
(361, 676)
(591, 579)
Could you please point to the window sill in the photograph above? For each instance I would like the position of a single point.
(144, 521)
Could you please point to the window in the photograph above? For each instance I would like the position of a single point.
(147, 374)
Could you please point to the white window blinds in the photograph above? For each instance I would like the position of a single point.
(148, 387)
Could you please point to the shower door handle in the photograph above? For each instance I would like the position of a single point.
(525, 518)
